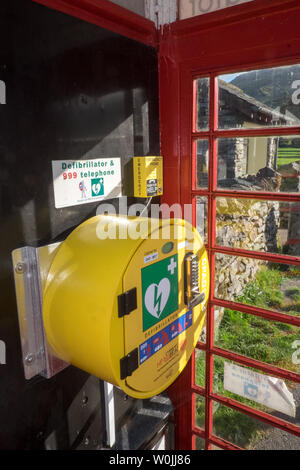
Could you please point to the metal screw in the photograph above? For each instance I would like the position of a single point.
(20, 268)
(85, 400)
(29, 358)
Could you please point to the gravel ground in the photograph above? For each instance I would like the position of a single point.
(276, 439)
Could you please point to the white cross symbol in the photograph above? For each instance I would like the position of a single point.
(172, 266)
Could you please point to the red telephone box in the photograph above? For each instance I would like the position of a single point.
(209, 119)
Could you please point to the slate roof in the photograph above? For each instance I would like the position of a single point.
(253, 109)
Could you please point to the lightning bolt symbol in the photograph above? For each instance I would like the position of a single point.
(157, 300)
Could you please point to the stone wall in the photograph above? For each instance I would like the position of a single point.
(247, 224)
(291, 218)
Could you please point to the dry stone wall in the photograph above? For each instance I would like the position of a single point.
(247, 224)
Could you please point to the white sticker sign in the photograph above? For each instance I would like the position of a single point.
(83, 181)
(263, 389)
(151, 257)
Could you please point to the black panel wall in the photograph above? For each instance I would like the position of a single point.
(72, 90)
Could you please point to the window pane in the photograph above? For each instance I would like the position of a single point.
(200, 411)
(201, 216)
(250, 433)
(261, 391)
(260, 98)
(200, 368)
(271, 342)
(202, 100)
(202, 164)
(200, 443)
(265, 226)
(250, 281)
(259, 164)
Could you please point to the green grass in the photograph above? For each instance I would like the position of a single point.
(287, 155)
(286, 161)
(257, 338)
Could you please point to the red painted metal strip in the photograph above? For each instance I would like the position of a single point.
(272, 258)
(201, 346)
(186, 145)
(199, 390)
(181, 395)
(193, 375)
(256, 61)
(257, 311)
(194, 170)
(280, 39)
(248, 362)
(260, 415)
(234, 14)
(110, 16)
(293, 241)
(199, 432)
(262, 195)
(169, 108)
(216, 440)
(248, 132)
(195, 100)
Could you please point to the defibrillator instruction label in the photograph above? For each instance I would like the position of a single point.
(84, 181)
(165, 336)
(159, 290)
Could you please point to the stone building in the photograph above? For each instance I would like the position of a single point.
(247, 164)
(240, 156)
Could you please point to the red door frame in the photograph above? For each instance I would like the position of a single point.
(260, 34)
(110, 16)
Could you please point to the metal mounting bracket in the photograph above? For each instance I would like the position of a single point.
(31, 266)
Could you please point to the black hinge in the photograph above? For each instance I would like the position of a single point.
(127, 302)
(129, 363)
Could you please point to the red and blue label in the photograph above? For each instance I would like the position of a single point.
(163, 337)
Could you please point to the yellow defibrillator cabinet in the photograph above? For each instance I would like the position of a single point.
(125, 300)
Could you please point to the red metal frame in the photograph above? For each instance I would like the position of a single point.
(110, 16)
(241, 38)
(244, 37)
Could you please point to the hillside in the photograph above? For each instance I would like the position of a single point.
(272, 87)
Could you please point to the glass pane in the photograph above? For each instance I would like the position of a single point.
(271, 286)
(202, 164)
(202, 100)
(249, 433)
(271, 342)
(201, 216)
(200, 411)
(200, 368)
(200, 443)
(266, 226)
(260, 98)
(256, 389)
(259, 164)
(202, 337)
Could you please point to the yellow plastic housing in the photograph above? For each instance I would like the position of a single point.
(100, 260)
